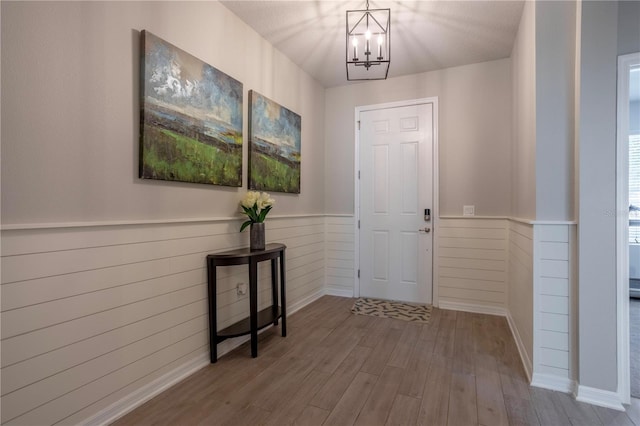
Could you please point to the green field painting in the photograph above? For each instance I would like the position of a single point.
(274, 146)
(191, 118)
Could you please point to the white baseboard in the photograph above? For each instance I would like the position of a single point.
(599, 397)
(295, 307)
(524, 356)
(338, 291)
(146, 392)
(560, 384)
(470, 307)
(162, 383)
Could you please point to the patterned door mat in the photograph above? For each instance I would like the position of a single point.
(389, 309)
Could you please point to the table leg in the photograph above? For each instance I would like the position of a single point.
(283, 294)
(253, 305)
(213, 312)
(274, 290)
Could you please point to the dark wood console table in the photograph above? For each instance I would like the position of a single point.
(257, 320)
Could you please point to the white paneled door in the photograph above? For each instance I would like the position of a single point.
(396, 186)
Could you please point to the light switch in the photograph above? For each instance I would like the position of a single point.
(468, 210)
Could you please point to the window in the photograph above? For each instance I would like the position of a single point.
(634, 188)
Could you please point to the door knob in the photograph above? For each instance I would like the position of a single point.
(424, 230)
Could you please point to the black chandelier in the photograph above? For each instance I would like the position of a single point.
(368, 44)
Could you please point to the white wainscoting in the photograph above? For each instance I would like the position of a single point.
(521, 290)
(472, 265)
(96, 319)
(90, 315)
(340, 255)
(554, 245)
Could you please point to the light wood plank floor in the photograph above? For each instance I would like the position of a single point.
(335, 368)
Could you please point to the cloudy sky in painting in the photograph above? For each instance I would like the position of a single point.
(274, 123)
(175, 78)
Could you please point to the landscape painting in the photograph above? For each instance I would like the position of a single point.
(274, 146)
(191, 118)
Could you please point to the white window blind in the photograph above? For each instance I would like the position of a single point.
(634, 187)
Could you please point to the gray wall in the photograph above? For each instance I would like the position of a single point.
(608, 29)
(628, 27)
(597, 204)
(555, 81)
(523, 145)
(474, 134)
(70, 110)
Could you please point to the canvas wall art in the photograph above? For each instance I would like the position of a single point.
(274, 146)
(191, 118)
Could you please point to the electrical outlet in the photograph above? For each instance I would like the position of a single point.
(468, 210)
(242, 289)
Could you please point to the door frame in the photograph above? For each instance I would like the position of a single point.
(625, 62)
(435, 217)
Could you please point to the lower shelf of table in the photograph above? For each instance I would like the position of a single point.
(265, 317)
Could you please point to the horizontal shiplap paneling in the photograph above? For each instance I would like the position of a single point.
(554, 358)
(552, 299)
(89, 313)
(340, 255)
(521, 287)
(554, 322)
(472, 263)
(553, 340)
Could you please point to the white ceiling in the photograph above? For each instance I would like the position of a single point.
(425, 35)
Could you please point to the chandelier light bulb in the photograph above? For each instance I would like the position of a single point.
(354, 41)
(367, 46)
(380, 39)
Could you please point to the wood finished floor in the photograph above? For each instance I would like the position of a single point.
(335, 368)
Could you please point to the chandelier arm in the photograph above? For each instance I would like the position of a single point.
(357, 23)
(378, 23)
